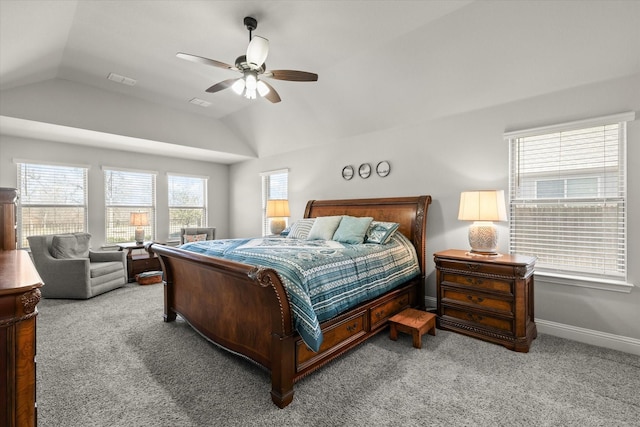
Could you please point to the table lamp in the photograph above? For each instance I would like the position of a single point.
(277, 210)
(139, 220)
(483, 207)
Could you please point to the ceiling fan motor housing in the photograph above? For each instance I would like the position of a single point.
(250, 23)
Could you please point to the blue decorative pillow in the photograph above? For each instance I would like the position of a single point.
(300, 229)
(352, 229)
(381, 232)
(324, 227)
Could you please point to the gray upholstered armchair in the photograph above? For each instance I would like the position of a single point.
(197, 233)
(70, 269)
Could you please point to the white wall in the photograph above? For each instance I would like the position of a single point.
(12, 148)
(445, 156)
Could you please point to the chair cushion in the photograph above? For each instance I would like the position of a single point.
(98, 269)
(72, 245)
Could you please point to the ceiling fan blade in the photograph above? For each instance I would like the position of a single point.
(272, 95)
(292, 75)
(257, 51)
(222, 85)
(203, 60)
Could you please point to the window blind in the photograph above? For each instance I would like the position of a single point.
(53, 199)
(275, 185)
(187, 203)
(568, 198)
(126, 192)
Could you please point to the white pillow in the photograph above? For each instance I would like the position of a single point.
(324, 227)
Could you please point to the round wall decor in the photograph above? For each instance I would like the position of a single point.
(383, 168)
(347, 172)
(364, 170)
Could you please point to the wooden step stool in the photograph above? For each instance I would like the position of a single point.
(414, 322)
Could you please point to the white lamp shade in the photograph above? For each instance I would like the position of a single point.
(278, 208)
(485, 205)
(257, 51)
(139, 219)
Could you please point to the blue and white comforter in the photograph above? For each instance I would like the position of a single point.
(323, 278)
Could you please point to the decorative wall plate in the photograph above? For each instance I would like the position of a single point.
(347, 172)
(383, 168)
(364, 170)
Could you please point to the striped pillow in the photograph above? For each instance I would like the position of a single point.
(301, 228)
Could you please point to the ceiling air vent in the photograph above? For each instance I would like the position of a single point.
(122, 79)
(200, 102)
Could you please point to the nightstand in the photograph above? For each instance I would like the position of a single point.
(140, 261)
(487, 297)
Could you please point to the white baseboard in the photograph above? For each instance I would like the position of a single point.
(587, 336)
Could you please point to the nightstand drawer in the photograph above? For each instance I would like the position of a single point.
(476, 267)
(505, 286)
(475, 300)
(479, 318)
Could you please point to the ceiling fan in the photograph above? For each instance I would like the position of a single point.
(253, 68)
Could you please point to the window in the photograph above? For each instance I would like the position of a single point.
(275, 185)
(53, 199)
(125, 192)
(187, 203)
(568, 197)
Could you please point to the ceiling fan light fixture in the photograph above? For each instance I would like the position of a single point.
(257, 51)
(238, 86)
(263, 89)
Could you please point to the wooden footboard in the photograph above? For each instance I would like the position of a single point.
(245, 308)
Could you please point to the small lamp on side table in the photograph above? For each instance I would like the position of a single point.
(483, 207)
(139, 220)
(277, 210)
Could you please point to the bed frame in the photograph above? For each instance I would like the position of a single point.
(245, 309)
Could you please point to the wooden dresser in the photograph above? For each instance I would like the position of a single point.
(490, 298)
(19, 296)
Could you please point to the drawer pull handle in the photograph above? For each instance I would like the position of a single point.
(475, 281)
(477, 300)
(379, 314)
(475, 318)
(352, 328)
(473, 267)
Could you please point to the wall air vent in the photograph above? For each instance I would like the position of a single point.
(200, 102)
(122, 79)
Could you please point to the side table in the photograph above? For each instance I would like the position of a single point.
(487, 297)
(139, 262)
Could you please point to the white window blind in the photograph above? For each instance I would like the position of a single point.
(568, 197)
(275, 185)
(187, 203)
(52, 200)
(125, 192)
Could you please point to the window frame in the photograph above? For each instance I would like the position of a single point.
(21, 205)
(267, 194)
(204, 207)
(150, 230)
(557, 275)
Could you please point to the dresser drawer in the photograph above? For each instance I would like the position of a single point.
(341, 333)
(505, 286)
(479, 267)
(380, 313)
(477, 300)
(479, 318)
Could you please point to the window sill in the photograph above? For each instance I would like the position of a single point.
(583, 282)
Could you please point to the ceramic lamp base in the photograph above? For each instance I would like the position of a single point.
(483, 238)
(277, 225)
(139, 235)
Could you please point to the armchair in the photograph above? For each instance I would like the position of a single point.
(71, 270)
(208, 232)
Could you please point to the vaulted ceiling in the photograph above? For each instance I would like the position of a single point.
(380, 64)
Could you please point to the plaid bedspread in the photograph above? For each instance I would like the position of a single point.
(323, 278)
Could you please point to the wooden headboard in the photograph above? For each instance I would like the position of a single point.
(409, 212)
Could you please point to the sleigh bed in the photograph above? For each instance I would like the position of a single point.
(245, 308)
